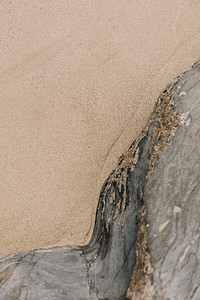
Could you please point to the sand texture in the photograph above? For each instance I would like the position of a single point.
(78, 80)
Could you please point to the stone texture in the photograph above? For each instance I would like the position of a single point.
(160, 173)
(172, 196)
(50, 274)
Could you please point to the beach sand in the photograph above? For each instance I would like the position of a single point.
(78, 81)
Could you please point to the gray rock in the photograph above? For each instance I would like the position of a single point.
(172, 198)
(44, 275)
(161, 172)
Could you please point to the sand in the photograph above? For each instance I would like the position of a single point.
(78, 80)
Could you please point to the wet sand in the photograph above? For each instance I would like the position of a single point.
(77, 83)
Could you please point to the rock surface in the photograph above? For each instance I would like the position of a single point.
(160, 172)
(171, 197)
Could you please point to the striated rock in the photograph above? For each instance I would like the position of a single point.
(147, 220)
(171, 197)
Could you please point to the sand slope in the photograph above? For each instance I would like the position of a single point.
(73, 75)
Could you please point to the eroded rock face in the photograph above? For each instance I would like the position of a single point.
(172, 198)
(160, 173)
